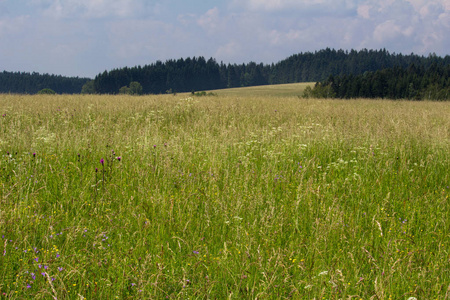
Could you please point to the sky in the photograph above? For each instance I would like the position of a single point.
(86, 37)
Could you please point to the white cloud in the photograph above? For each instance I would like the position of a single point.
(231, 50)
(90, 8)
(389, 31)
(84, 37)
(364, 11)
(210, 20)
(13, 25)
(320, 7)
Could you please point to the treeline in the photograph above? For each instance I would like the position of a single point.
(182, 75)
(197, 74)
(413, 82)
(31, 83)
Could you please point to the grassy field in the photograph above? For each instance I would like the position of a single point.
(163, 197)
(278, 90)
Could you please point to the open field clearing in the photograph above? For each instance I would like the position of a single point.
(277, 90)
(239, 197)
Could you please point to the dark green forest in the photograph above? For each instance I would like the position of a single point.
(197, 74)
(332, 68)
(414, 83)
(32, 83)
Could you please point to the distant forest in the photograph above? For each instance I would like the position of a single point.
(31, 83)
(197, 74)
(200, 74)
(414, 83)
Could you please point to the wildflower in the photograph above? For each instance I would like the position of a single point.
(37, 259)
(57, 255)
(133, 284)
(119, 158)
(154, 146)
(102, 161)
(28, 286)
(96, 170)
(34, 154)
(60, 269)
(195, 252)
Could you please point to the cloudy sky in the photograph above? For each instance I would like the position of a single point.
(86, 37)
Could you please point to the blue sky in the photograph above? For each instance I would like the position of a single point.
(86, 37)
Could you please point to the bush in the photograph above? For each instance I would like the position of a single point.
(88, 88)
(46, 92)
(134, 89)
(203, 93)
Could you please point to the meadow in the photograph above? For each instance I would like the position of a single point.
(223, 197)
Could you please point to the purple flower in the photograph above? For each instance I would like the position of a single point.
(119, 158)
(154, 146)
(195, 252)
(46, 267)
(40, 266)
(96, 170)
(60, 269)
(133, 284)
(102, 161)
(36, 259)
(34, 154)
(33, 276)
(28, 286)
(57, 255)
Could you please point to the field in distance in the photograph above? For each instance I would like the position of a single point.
(276, 90)
(223, 197)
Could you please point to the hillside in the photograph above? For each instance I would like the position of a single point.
(198, 74)
(31, 83)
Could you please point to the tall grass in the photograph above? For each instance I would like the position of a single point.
(157, 197)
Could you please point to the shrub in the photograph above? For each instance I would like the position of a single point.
(46, 92)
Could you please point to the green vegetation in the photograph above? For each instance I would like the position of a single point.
(46, 92)
(199, 74)
(224, 197)
(134, 89)
(88, 87)
(202, 94)
(413, 83)
(32, 83)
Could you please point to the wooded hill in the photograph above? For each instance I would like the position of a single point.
(414, 83)
(199, 74)
(31, 83)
